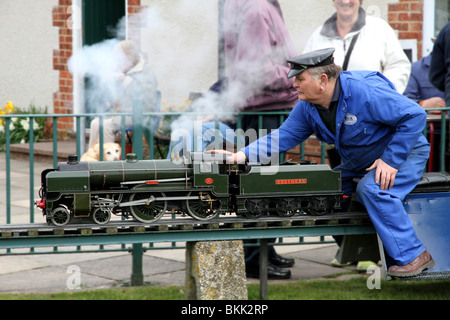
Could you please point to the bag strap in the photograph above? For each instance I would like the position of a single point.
(349, 52)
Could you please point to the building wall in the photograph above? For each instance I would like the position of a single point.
(406, 16)
(26, 61)
(63, 97)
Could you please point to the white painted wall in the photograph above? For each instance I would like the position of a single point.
(27, 40)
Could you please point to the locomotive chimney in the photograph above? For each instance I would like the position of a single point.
(72, 159)
(132, 157)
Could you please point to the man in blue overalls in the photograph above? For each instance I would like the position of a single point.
(378, 134)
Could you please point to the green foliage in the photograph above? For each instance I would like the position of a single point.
(20, 126)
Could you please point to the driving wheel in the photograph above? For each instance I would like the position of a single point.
(150, 209)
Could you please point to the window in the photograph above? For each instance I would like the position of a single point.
(436, 14)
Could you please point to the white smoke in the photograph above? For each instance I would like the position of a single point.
(100, 66)
(176, 56)
(172, 50)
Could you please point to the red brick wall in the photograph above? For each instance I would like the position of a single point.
(63, 98)
(406, 16)
(134, 7)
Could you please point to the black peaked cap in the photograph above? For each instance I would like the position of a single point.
(310, 59)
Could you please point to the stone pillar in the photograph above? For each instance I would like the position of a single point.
(215, 270)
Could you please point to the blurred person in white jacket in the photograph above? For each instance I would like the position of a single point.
(376, 46)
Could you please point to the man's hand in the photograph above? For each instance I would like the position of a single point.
(384, 174)
(238, 157)
(435, 102)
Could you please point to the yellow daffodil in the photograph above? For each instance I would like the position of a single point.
(9, 107)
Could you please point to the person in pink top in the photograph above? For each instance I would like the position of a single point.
(257, 47)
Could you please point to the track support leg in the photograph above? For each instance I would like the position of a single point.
(137, 275)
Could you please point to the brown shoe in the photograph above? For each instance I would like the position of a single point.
(421, 263)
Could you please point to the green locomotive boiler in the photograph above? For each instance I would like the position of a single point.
(199, 184)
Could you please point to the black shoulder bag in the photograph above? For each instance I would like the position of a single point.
(349, 52)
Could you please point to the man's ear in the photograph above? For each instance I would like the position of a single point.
(323, 81)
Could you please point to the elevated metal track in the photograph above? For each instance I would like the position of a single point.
(182, 229)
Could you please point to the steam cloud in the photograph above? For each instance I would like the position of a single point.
(101, 67)
(156, 27)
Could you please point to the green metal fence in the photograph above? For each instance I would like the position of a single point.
(139, 131)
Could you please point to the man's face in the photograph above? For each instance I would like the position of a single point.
(307, 87)
(346, 9)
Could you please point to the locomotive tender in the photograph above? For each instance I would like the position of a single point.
(199, 184)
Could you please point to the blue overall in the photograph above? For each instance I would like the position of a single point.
(372, 121)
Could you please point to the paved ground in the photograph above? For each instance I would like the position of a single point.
(56, 272)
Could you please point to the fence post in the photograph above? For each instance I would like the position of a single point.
(31, 161)
(137, 275)
(263, 264)
(137, 124)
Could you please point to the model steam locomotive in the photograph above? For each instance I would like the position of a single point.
(199, 184)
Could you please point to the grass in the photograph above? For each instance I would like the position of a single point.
(352, 289)
(356, 289)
